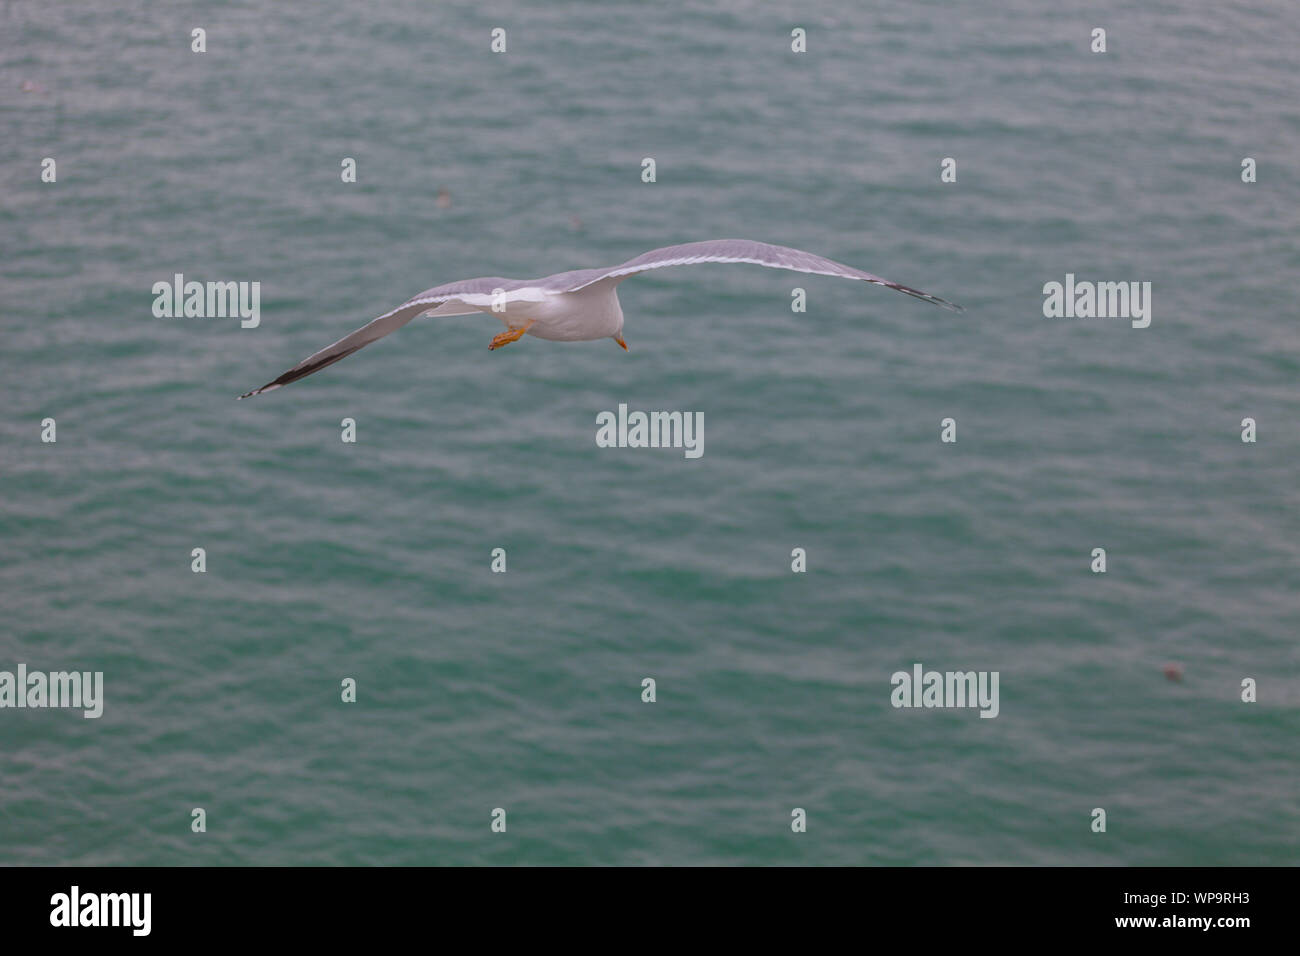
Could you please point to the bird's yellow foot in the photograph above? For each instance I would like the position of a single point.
(619, 340)
(508, 336)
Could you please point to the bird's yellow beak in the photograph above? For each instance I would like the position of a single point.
(619, 340)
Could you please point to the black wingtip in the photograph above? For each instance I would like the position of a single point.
(268, 387)
(927, 297)
(300, 371)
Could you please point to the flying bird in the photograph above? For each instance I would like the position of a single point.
(572, 306)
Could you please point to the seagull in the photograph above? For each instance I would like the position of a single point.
(572, 306)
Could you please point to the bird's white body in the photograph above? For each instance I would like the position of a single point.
(590, 313)
(572, 306)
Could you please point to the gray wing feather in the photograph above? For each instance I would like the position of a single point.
(742, 250)
(434, 301)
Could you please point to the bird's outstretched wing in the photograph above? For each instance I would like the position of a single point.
(371, 331)
(455, 298)
(746, 250)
